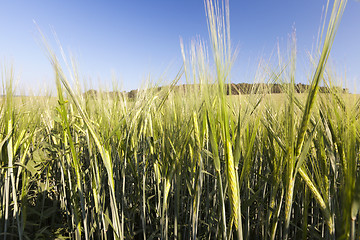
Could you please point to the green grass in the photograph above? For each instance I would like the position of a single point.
(184, 165)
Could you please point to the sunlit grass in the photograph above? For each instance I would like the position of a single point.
(190, 164)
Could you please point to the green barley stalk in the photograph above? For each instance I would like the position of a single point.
(68, 139)
(219, 30)
(338, 9)
(9, 174)
(290, 135)
(105, 155)
(336, 14)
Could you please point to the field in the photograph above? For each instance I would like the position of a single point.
(196, 164)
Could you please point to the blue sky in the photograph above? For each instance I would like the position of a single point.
(135, 39)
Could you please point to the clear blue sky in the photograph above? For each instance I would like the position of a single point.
(136, 38)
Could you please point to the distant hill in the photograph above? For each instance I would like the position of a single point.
(233, 88)
(247, 88)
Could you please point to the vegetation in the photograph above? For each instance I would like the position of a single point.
(231, 89)
(194, 165)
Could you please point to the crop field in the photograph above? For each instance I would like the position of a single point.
(197, 164)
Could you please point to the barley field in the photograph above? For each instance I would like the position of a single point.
(196, 164)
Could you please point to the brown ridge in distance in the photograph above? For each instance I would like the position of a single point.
(236, 89)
